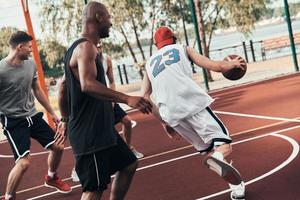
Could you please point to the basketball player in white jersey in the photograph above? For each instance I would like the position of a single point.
(183, 107)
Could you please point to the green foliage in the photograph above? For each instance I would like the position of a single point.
(5, 33)
(61, 18)
(52, 53)
(54, 72)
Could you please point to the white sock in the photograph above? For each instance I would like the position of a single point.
(218, 155)
(51, 174)
(8, 196)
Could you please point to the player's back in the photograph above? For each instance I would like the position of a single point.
(174, 91)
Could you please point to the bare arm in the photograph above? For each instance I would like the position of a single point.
(110, 74)
(61, 132)
(85, 56)
(217, 66)
(41, 97)
(63, 98)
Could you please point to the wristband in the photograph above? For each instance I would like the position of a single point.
(64, 119)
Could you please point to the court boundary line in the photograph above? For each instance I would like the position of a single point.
(284, 120)
(182, 157)
(292, 156)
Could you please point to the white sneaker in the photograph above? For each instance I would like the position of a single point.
(223, 169)
(238, 191)
(74, 175)
(137, 154)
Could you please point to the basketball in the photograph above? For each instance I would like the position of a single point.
(235, 73)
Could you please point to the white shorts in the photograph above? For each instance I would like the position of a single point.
(203, 130)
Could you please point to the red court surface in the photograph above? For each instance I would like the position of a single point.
(264, 121)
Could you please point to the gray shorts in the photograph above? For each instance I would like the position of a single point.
(203, 130)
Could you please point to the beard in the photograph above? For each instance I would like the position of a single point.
(24, 57)
(104, 33)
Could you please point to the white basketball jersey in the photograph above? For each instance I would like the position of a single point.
(174, 91)
(105, 67)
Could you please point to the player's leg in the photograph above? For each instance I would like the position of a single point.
(96, 195)
(127, 129)
(208, 135)
(15, 176)
(124, 163)
(122, 181)
(18, 136)
(121, 116)
(41, 131)
(221, 149)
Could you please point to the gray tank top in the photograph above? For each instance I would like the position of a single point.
(16, 98)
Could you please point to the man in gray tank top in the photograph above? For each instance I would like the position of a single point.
(19, 117)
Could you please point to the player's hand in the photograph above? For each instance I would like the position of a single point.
(61, 133)
(239, 62)
(140, 103)
(55, 119)
(171, 132)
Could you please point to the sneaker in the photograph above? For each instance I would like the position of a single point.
(58, 184)
(223, 169)
(74, 175)
(238, 191)
(137, 154)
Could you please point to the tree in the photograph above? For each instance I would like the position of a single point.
(61, 20)
(224, 14)
(53, 53)
(5, 34)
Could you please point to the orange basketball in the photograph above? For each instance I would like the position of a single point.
(235, 73)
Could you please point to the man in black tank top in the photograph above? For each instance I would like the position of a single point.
(86, 108)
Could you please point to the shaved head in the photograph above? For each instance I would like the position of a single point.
(90, 11)
(96, 19)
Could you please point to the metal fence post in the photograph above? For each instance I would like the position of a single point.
(252, 50)
(125, 73)
(120, 74)
(245, 51)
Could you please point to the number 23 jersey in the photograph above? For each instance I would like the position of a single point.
(174, 91)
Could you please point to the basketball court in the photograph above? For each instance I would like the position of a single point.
(264, 122)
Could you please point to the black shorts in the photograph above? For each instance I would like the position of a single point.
(19, 131)
(119, 113)
(95, 170)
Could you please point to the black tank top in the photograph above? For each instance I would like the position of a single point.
(91, 124)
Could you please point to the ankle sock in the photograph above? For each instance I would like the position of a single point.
(51, 174)
(8, 196)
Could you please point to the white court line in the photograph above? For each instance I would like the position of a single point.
(193, 154)
(133, 124)
(257, 116)
(293, 155)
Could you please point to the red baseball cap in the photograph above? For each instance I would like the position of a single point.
(163, 36)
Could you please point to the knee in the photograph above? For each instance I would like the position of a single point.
(132, 167)
(126, 121)
(227, 149)
(57, 148)
(24, 163)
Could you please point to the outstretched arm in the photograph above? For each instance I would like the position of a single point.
(217, 66)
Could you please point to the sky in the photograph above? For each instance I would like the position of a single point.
(11, 14)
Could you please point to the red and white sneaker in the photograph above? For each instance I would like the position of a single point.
(222, 168)
(58, 184)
